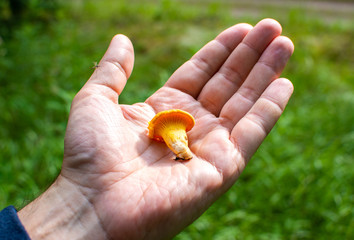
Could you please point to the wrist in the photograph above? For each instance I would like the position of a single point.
(62, 212)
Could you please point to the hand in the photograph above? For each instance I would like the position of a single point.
(117, 183)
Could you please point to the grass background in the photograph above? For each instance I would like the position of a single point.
(299, 185)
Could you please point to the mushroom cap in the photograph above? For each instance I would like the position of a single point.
(168, 117)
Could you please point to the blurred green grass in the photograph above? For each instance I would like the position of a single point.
(299, 185)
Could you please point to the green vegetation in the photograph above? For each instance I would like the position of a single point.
(299, 185)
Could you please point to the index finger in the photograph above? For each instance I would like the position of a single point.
(195, 73)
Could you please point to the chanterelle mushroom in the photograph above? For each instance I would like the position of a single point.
(171, 127)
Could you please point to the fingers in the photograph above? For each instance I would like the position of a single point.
(251, 130)
(193, 75)
(238, 65)
(269, 67)
(114, 68)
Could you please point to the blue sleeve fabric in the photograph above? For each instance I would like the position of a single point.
(11, 226)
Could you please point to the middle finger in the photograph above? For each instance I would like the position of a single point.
(236, 68)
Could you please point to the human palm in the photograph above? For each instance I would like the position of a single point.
(136, 188)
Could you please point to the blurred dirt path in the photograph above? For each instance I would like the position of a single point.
(328, 11)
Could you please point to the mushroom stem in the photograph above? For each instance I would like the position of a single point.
(176, 139)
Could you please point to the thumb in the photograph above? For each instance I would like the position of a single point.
(115, 67)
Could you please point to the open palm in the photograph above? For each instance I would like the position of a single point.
(136, 188)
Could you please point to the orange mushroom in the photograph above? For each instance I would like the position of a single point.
(171, 127)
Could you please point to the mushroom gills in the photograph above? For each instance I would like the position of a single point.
(176, 139)
(171, 127)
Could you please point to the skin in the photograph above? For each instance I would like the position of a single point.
(116, 183)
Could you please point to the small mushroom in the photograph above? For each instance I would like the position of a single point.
(171, 127)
